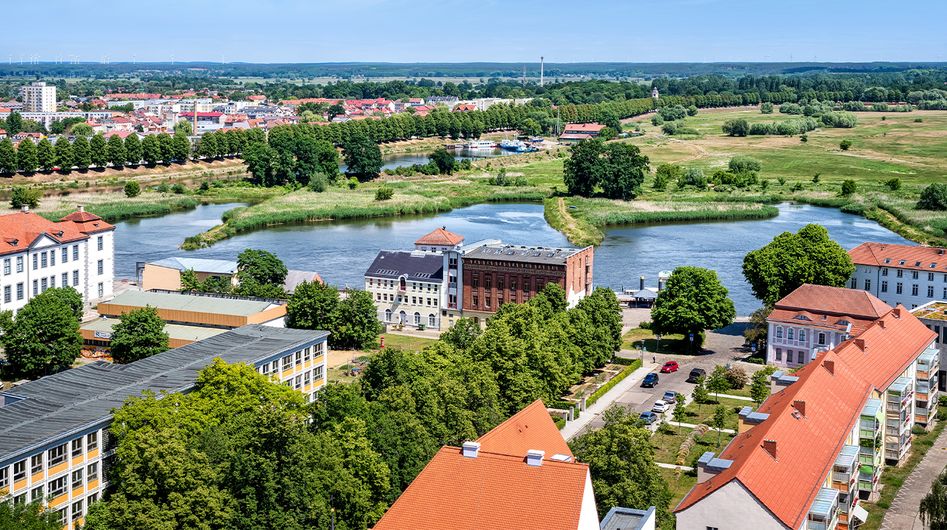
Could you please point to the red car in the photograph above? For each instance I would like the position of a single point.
(670, 366)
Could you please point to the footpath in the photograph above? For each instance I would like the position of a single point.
(576, 426)
(904, 512)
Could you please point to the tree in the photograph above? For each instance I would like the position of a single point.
(183, 127)
(462, 334)
(665, 174)
(693, 300)
(737, 127)
(82, 153)
(790, 260)
(621, 461)
(26, 159)
(848, 188)
(759, 387)
(719, 421)
(362, 157)
(312, 306)
(261, 267)
(14, 123)
(618, 168)
(116, 151)
(166, 144)
(766, 107)
(845, 145)
(98, 150)
(7, 157)
(700, 394)
(27, 516)
(81, 129)
(894, 184)
(933, 507)
(150, 150)
(262, 163)
(679, 413)
(45, 155)
(132, 189)
(138, 334)
(444, 160)
(44, 338)
(133, 150)
(335, 110)
(581, 169)
(180, 148)
(355, 321)
(934, 197)
(718, 382)
(21, 196)
(64, 154)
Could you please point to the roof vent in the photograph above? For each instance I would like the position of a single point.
(800, 406)
(829, 366)
(881, 323)
(25, 208)
(860, 343)
(471, 449)
(81, 208)
(534, 457)
(560, 458)
(770, 447)
(896, 312)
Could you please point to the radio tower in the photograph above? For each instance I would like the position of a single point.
(542, 64)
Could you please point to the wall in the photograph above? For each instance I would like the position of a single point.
(731, 507)
(158, 277)
(876, 278)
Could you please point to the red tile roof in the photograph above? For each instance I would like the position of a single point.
(21, 229)
(202, 114)
(888, 255)
(440, 237)
(87, 223)
(582, 127)
(496, 489)
(827, 307)
(833, 389)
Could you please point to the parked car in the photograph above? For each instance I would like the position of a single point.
(670, 366)
(660, 406)
(696, 374)
(650, 380)
(670, 397)
(648, 417)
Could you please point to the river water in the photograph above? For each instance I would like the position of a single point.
(341, 252)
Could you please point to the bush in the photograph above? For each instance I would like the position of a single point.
(816, 178)
(737, 377)
(318, 182)
(205, 186)
(804, 138)
(766, 107)
(739, 127)
(744, 164)
(625, 372)
(934, 197)
(839, 120)
(790, 108)
(178, 188)
(781, 180)
(353, 183)
(163, 188)
(893, 184)
(132, 188)
(645, 325)
(384, 193)
(845, 145)
(918, 120)
(693, 176)
(797, 187)
(848, 188)
(21, 196)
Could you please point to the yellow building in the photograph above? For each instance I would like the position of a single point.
(54, 439)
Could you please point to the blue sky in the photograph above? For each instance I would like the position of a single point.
(476, 30)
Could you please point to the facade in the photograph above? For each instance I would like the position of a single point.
(521, 475)
(816, 447)
(38, 254)
(900, 274)
(817, 318)
(54, 432)
(934, 315)
(165, 274)
(38, 97)
(407, 287)
(198, 310)
(496, 273)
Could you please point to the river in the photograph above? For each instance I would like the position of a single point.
(393, 161)
(341, 252)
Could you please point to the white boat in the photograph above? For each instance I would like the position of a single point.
(479, 145)
(512, 145)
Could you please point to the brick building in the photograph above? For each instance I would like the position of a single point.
(495, 273)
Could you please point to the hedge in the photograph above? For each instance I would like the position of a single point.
(625, 372)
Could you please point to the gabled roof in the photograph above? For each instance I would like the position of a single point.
(414, 265)
(21, 229)
(900, 256)
(827, 307)
(88, 223)
(583, 127)
(530, 428)
(440, 237)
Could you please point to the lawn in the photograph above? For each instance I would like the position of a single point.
(679, 483)
(667, 442)
(407, 342)
(704, 413)
(638, 337)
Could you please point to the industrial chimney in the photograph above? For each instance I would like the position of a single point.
(542, 64)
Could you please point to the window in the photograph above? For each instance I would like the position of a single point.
(299, 358)
(75, 252)
(52, 258)
(101, 289)
(317, 373)
(854, 284)
(57, 455)
(930, 291)
(884, 271)
(475, 281)
(76, 447)
(799, 357)
(274, 367)
(307, 378)
(36, 464)
(867, 284)
(512, 284)
(44, 284)
(77, 510)
(57, 487)
(92, 441)
(914, 290)
(35, 261)
(43, 260)
(779, 354)
(36, 494)
(930, 276)
(4, 478)
(7, 294)
(417, 318)
(298, 382)
(35, 287)
(307, 354)
(884, 286)
(779, 332)
(821, 338)
(802, 335)
(65, 254)
(65, 279)
(486, 301)
(19, 471)
(431, 321)
(898, 288)
(790, 333)
(77, 479)
(52, 281)
(487, 281)
(75, 278)
(475, 302)
(100, 267)
(100, 242)
(500, 284)
(287, 362)
(6, 266)
(92, 471)
(387, 315)
(900, 273)
(913, 275)
(19, 264)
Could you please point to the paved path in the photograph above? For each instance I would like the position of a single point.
(904, 513)
(739, 398)
(573, 428)
(694, 425)
(673, 466)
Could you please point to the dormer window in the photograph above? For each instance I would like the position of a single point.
(887, 260)
(901, 262)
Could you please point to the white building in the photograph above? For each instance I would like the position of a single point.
(38, 97)
(900, 274)
(407, 287)
(38, 254)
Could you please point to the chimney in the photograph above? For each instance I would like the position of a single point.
(81, 208)
(800, 406)
(860, 343)
(896, 312)
(641, 283)
(471, 449)
(829, 366)
(534, 457)
(881, 323)
(770, 447)
(25, 208)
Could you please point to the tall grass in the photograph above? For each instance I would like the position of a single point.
(112, 212)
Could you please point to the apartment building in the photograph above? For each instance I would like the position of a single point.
(934, 315)
(37, 254)
(38, 97)
(816, 318)
(900, 274)
(407, 287)
(55, 445)
(816, 447)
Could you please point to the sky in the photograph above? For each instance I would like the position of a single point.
(294, 31)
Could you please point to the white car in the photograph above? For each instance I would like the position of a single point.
(660, 406)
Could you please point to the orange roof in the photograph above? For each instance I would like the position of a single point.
(826, 307)
(21, 229)
(832, 390)
(530, 428)
(440, 237)
(900, 256)
(583, 127)
(88, 223)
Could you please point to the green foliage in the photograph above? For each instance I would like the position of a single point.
(621, 461)
(44, 338)
(766, 107)
(27, 160)
(150, 150)
(27, 516)
(717, 381)
(98, 151)
(443, 160)
(138, 334)
(178, 188)
(845, 144)
(183, 127)
(693, 300)
(133, 150)
(719, 420)
(737, 127)
(21, 196)
(618, 168)
(848, 188)
(839, 120)
(362, 158)
(893, 184)
(355, 322)
(618, 378)
(261, 267)
(132, 188)
(736, 377)
(665, 174)
(934, 197)
(700, 394)
(353, 183)
(933, 507)
(383, 193)
(7, 157)
(790, 260)
(759, 387)
(692, 177)
(462, 334)
(312, 306)
(45, 155)
(318, 183)
(676, 112)
(116, 151)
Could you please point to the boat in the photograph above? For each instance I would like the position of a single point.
(480, 145)
(517, 146)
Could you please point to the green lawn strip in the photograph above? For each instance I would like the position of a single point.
(638, 337)
(407, 342)
(703, 413)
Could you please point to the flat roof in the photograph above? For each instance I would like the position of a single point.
(521, 253)
(934, 310)
(212, 266)
(174, 331)
(38, 413)
(191, 302)
(619, 518)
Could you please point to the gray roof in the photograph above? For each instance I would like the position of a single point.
(191, 302)
(415, 265)
(174, 331)
(619, 518)
(210, 266)
(43, 411)
(294, 278)
(542, 255)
